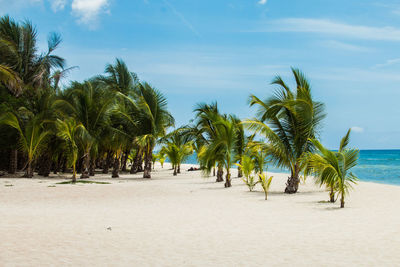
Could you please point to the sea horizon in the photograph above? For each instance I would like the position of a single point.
(374, 165)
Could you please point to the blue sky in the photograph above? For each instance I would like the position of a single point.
(223, 50)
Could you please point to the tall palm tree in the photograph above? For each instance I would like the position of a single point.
(288, 119)
(23, 69)
(119, 78)
(19, 51)
(240, 144)
(91, 105)
(222, 146)
(204, 132)
(334, 168)
(152, 120)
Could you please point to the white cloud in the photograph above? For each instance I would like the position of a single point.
(388, 62)
(357, 129)
(262, 2)
(88, 11)
(57, 5)
(345, 46)
(329, 27)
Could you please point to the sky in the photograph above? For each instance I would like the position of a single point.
(224, 50)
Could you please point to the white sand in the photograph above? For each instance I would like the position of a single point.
(191, 221)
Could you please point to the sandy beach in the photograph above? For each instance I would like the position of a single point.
(188, 220)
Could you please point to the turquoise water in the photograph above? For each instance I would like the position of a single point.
(381, 166)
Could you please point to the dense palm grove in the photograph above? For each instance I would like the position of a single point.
(113, 123)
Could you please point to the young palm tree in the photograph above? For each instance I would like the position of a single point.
(70, 132)
(32, 137)
(333, 168)
(161, 157)
(247, 166)
(178, 148)
(288, 119)
(265, 183)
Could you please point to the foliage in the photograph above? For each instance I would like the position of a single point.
(265, 183)
(288, 119)
(333, 168)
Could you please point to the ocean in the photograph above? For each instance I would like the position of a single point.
(380, 166)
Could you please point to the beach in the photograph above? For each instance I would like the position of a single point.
(188, 220)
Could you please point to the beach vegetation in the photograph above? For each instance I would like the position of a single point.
(288, 120)
(333, 168)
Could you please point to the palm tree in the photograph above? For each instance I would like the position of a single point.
(178, 147)
(240, 144)
(19, 52)
(265, 183)
(288, 119)
(152, 120)
(172, 152)
(23, 69)
(161, 157)
(333, 168)
(32, 137)
(204, 133)
(91, 105)
(70, 132)
(247, 166)
(119, 78)
(222, 145)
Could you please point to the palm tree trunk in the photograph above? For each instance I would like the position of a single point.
(115, 172)
(179, 168)
(228, 179)
(175, 171)
(148, 157)
(214, 171)
(292, 184)
(45, 165)
(107, 162)
(220, 175)
(13, 161)
(92, 167)
(125, 160)
(85, 167)
(240, 172)
(332, 195)
(136, 162)
(29, 170)
(74, 173)
(342, 201)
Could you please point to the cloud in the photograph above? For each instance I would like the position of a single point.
(345, 46)
(88, 11)
(58, 5)
(357, 129)
(262, 2)
(329, 27)
(388, 62)
(182, 18)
